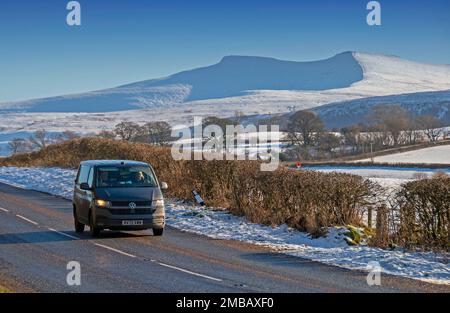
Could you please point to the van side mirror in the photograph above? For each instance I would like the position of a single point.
(85, 186)
(164, 186)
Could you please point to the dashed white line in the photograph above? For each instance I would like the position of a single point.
(119, 251)
(115, 250)
(96, 244)
(26, 219)
(189, 272)
(63, 234)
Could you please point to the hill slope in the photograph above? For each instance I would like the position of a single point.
(258, 83)
(342, 89)
(234, 75)
(341, 114)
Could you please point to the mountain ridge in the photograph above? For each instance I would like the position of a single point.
(257, 83)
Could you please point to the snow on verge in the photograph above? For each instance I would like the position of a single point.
(220, 224)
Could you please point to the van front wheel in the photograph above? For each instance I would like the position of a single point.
(94, 230)
(79, 227)
(158, 231)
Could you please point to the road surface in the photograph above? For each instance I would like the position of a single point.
(37, 241)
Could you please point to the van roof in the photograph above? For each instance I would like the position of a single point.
(113, 163)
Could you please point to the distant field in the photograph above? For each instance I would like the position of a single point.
(390, 177)
(433, 155)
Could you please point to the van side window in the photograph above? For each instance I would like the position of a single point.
(90, 180)
(83, 175)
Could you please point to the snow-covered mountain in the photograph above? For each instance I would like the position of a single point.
(252, 85)
(258, 82)
(232, 76)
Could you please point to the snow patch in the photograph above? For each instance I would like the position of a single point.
(433, 155)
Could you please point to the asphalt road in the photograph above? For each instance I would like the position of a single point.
(37, 241)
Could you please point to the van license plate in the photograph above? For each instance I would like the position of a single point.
(133, 223)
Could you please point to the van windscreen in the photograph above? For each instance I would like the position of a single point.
(125, 176)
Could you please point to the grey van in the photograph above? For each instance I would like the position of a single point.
(118, 195)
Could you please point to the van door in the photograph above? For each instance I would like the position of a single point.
(83, 198)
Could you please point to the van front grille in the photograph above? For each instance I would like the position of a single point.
(127, 203)
(131, 211)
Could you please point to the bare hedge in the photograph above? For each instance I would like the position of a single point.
(424, 213)
(308, 201)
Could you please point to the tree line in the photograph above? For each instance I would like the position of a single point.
(39, 140)
(155, 133)
(387, 126)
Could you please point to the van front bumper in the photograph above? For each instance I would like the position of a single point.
(104, 219)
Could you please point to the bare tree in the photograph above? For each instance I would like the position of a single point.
(328, 142)
(352, 136)
(412, 133)
(107, 134)
(127, 130)
(304, 128)
(19, 145)
(220, 122)
(39, 139)
(431, 126)
(393, 119)
(158, 133)
(67, 135)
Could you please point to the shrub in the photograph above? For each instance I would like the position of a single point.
(424, 213)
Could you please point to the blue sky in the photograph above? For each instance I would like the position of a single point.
(125, 41)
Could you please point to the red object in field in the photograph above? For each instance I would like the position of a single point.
(298, 164)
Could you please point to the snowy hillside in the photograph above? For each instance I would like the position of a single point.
(252, 85)
(108, 100)
(257, 82)
(337, 115)
(234, 75)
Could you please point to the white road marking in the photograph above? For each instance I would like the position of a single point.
(63, 234)
(26, 219)
(115, 250)
(189, 272)
(119, 251)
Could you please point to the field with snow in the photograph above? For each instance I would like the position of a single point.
(220, 224)
(433, 155)
(390, 177)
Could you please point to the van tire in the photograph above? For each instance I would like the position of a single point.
(158, 231)
(79, 227)
(94, 230)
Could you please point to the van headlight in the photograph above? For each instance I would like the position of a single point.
(158, 203)
(102, 203)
